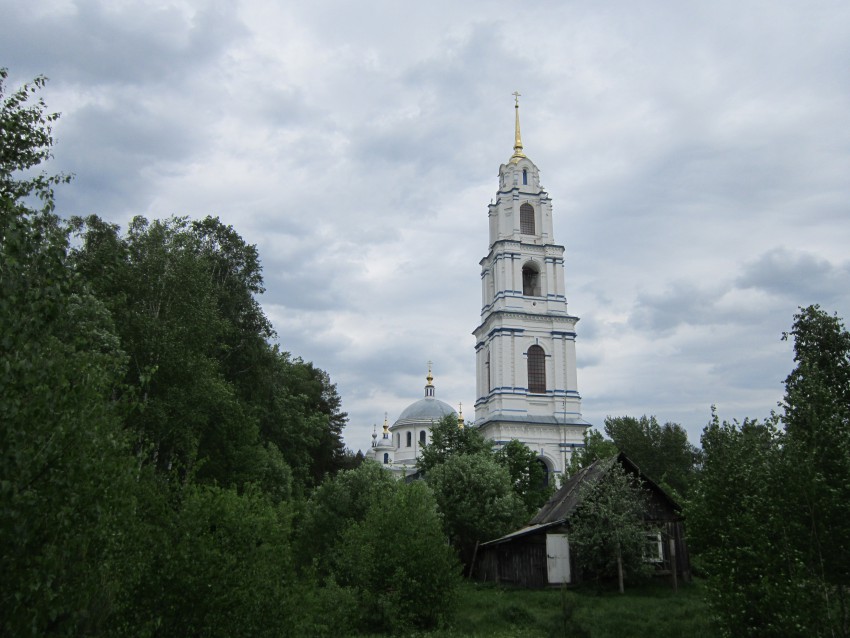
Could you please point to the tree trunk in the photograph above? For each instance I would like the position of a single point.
(620, 570)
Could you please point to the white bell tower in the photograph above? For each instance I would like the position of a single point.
(525, 343)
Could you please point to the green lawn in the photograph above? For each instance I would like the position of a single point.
(651, 610)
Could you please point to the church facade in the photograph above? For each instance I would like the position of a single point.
(526, 383)
(399, 445)
(525, 344)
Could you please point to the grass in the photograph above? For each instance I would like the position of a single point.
(649, 610)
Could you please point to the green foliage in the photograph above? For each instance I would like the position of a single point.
(26, 139)
(526, 473)
(398, 561)
(608, 528)
(218, 402)
(738, 528)
(481, 494)
(476, 498)
(596, 447)
(662, 452)
(65, 476)
(217, 564)
(777, 560)
(489, 611)
(817, 447)
(155, 337)
(379, 544)
(447, 439)
(65, 481)
(340, 502)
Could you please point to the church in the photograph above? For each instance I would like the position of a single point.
(525, 353)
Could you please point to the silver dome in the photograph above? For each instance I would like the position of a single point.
(424, 411)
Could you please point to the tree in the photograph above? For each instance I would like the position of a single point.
(817, 450)
(608, 530)
(662, 452)
(377, 547)
(740, 529)
(476, 498)
(26, 140)
(338, 503)
(67, 485)
(526, 473)
(218, 563)
(447, 439)
(218, 401)
(398, 561)
(596, 447)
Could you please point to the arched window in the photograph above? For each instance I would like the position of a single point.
(524, 177)
(386, 458)
(422, 437)
(545, 472)
(536, 370)
(526, 219)
(409, 439)
(530, 280)
(487, 364)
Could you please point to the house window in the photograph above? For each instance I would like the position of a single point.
(409, 439)
(524, 177)
(422, 437)
(653, 549)
(530, 280)
(526, 219)
(536, 370)
(386, 458)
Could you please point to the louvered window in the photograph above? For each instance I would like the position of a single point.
(526, 219)
(536, 370)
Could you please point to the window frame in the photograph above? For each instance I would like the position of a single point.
(531, 284)
(536, 368)
(653, 547)
(527, 225)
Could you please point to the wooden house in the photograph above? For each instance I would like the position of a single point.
(538, 555)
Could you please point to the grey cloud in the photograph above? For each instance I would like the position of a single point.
(97, 42)
(799, 276)
(682, 303)
(119, 149)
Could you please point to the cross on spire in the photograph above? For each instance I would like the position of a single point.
(518, 154)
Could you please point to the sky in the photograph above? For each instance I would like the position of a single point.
(697, 155)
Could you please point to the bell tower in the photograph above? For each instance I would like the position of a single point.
(525, 344)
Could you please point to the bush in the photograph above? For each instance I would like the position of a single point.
(219, 567)
(399, 562)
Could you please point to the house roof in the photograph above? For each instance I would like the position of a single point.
(564, 502)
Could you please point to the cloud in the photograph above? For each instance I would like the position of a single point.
(697, 157)
(800, 276)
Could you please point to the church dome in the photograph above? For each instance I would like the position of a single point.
(427, 409)
(385, 443)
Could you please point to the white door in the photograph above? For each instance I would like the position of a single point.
(558, 558)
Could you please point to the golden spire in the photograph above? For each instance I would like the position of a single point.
(518, 154)
(460, 415)
(430, 377)
(386, 426)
